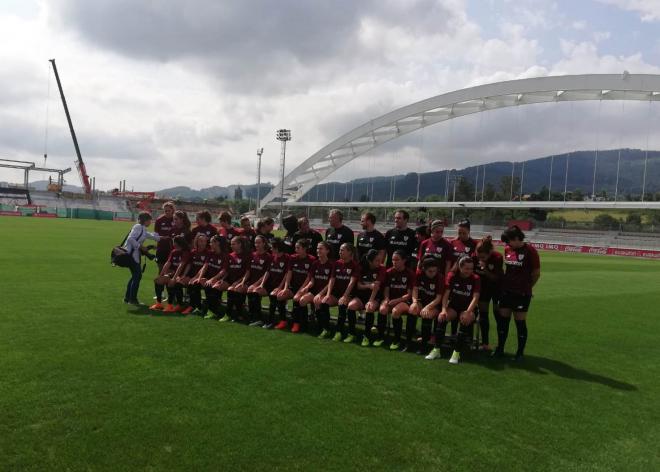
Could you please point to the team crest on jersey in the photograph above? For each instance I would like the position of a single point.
(239, 261)
(404, 279)
(339, 236)
(467, 249)
(521, 257)
(281, 264)
(469, 287)
(491, 266)
(405, 238)
(203, 257)
(348, 271)
(306, 266)
(327, 271)
(371, 240)
(261, 261)
(432, 286)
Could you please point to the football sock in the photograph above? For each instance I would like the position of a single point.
(521, 327)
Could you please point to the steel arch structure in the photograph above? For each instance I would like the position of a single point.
(404, 120)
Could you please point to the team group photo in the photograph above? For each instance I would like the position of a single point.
(411, 235)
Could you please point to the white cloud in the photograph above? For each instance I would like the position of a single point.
(195, 113)
(649, 10)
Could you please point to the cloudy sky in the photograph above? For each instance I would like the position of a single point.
(183, 92)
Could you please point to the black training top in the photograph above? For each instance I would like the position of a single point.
(337, 237)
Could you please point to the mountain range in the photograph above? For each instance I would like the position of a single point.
(534, 174)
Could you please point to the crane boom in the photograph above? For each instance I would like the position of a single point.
(80, 164)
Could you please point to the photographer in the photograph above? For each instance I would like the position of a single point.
(134, 247)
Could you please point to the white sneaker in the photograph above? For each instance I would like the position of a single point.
(434, 354)
(455, 357)
(257, 324)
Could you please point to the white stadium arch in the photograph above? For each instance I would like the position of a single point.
(364, 138)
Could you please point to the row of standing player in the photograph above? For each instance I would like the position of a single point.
(444, 289)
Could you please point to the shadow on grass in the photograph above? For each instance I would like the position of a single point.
(545, 366)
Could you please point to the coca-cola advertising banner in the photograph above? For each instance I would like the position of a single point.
(605, 251)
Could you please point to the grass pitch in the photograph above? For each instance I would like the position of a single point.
(89, 384)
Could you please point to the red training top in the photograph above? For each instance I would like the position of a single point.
(520, 263)
(163, 227)
(461, 290)
(259, 265)
(399, 282)
(277, 270)
(197, 261)
(217, 263)
(299, 268)
(321, 274)
(442, 250)
(493, 265)
(209, 231)
(238, 265)
(460, 248)
(343, 273)
(428, 289)
(177, 258)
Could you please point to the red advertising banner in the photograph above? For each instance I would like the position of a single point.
(10, 213)
(116, 218)
(600, 250)
(44, 215)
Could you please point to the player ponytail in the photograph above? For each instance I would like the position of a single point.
(183, 216)
(368, 259)
(511, 233)
(485, 246)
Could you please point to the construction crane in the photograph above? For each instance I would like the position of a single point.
(79, 164)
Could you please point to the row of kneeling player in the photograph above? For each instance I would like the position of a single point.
(428, 296)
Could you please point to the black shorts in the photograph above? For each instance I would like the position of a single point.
(364, 296)
(515, 301)
(489, 296)
(458, 309)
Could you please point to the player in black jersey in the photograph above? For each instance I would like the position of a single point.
(400, 237)
(337, 234)
(370, 237)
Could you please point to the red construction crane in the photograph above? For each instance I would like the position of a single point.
(79, 164)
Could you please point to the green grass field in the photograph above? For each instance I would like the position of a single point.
(87, 383)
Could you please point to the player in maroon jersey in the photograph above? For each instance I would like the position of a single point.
(427, 300)
(226, 228)
(273, 282)
(459, 302)
(203, 225)
(238, 272)
(163, 227)
(367, 291)
(317, 287)
(197, 261)
(247, 230)
(211, 277)
(344, 277)
(259, 266)
(171, 275)
(523, 270)
(490, 269)
(181, 226)
(437, 247)
(296, 278)
(397, 293)
(463, 244)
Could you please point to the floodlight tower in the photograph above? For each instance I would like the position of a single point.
(257, 210)
(282, 135)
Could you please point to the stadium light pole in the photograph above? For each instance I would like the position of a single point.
(282, 135)
(257, 210)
